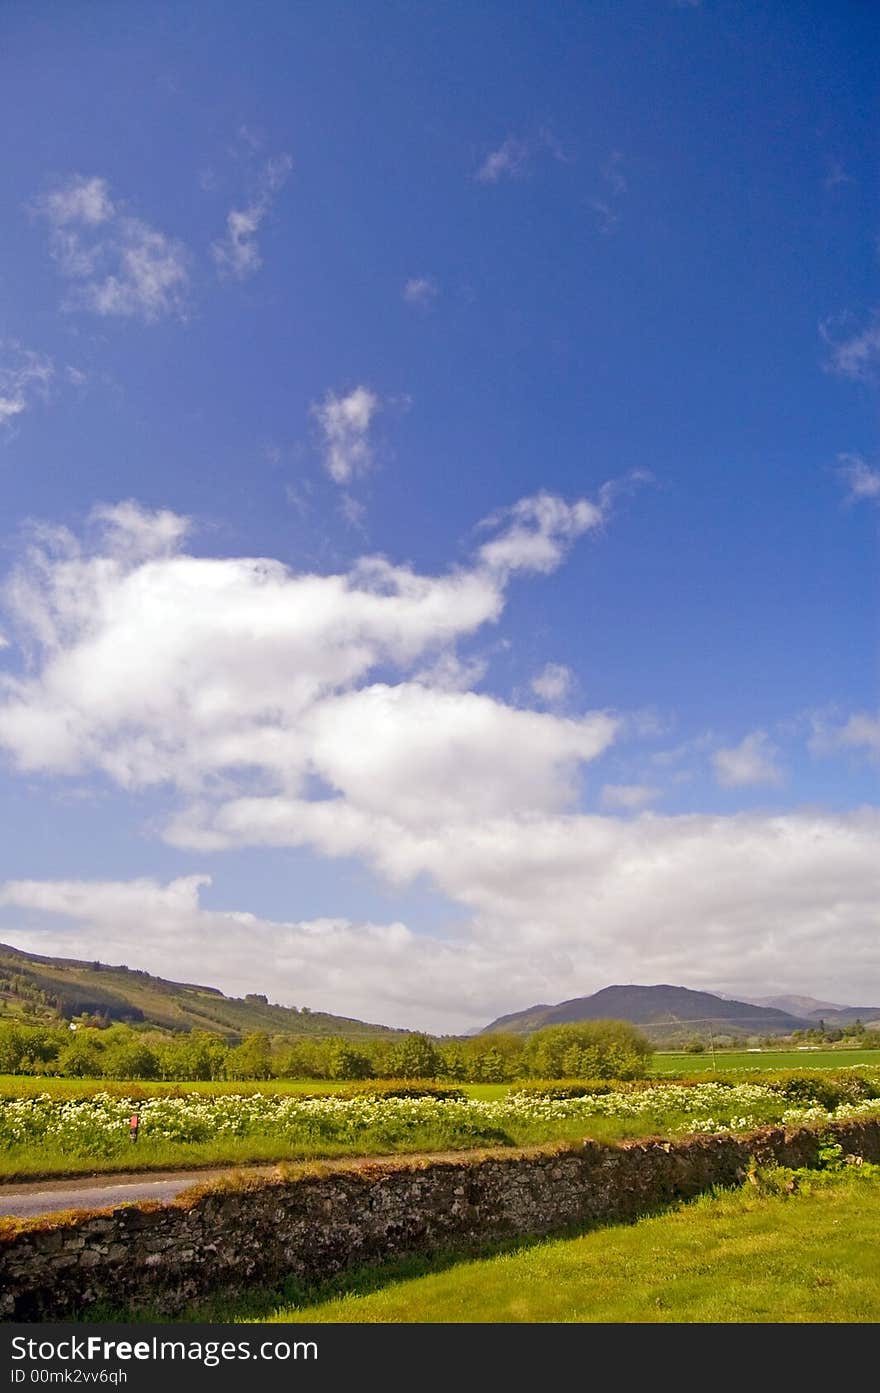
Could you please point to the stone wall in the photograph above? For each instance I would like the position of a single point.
(318, 1220)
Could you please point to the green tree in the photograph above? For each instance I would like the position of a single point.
(13, 1048)
(415, 1057)
(252, 1059)
(592, 1049)
(346, 1062)
(82, 1058)
(454, 1063)
(130, 1059)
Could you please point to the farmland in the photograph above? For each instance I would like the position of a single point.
(42, 1134)
(681, 1062)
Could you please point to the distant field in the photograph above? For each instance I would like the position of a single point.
(680, 1062)
(737, 1257)
(29, 1086)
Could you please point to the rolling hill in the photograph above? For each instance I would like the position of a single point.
(53, 988)
(654, 1008)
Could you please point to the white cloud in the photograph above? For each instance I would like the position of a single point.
(607, 205)
(80, 200)
(119, 265)
(156, 666)
(24, 378)
(752, 761)
(237, 253)
(516, 156)
(553, 683)
(345, 424)
(354, 512)
(421, 291)
(857, 355)
(627, 797)
(560, 905)
(509, 161)
(861, 479)
(330, 712)
(450, 673)
(861, 731)
(540, 531)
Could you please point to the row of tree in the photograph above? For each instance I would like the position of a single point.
(595, 1049)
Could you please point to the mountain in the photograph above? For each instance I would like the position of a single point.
(795, 1005)
(53, 988)
(816, 1011)
(654, 1007)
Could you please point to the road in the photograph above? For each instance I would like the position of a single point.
(24, 1199)
(97, 1192)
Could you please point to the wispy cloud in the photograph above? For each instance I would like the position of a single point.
(118, 264)
(627, 797)
(752, 761)
(354, 512)
(853, 355)
(237, 253)
(862, 481)
(836, 176)
(24, 378)
(606, 205)
(421, 291)
(516, 156)
(345, 425)
(553, 683)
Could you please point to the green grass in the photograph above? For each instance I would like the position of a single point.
(734, 1257)
(31, 1086)
(47, 1161)
(680, 1062)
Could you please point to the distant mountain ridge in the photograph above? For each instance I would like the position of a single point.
(64, 987)
(816, 1011)
(659, 1005)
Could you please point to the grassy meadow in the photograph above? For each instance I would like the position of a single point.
(682, 1062)
(739, 1256)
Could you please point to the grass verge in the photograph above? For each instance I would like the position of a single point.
(735, 1257)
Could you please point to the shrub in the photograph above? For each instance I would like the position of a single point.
(400, 1088)
(563, 1088)
(588, 1049)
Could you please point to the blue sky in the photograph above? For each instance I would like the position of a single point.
(570, 316)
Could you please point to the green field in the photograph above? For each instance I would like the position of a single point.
(44, 1135)
(681, 1062)
(33, 1086)
(734, 1257)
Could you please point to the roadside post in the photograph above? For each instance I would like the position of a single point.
(133, 1124)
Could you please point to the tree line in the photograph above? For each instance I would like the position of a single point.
(593, 1049)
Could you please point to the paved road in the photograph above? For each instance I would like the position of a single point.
(27, 1198)
(96, 1192)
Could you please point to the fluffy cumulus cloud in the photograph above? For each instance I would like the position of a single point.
(345, 423)
(558, 904)
(153, 665)
(117, 264)
(536, 532)
(752, 761)
(332, 712)
(24, 378)
(237, 252)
